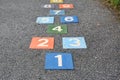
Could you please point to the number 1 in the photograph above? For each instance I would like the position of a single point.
(59, 60)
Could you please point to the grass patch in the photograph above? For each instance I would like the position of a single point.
(114, 6)
(115, 3)
(112, 3)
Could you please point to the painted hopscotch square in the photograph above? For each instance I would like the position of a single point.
(57, 12)
(58, 60)
(42, 43)
(62, 29)
(56, 1)
(66, 6)
(45, 20)
(47, 6)
(74, 42)
(69, 19)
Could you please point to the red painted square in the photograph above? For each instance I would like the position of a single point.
(42, 43)
(69, 6)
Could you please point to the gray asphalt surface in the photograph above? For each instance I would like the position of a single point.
(100, 61)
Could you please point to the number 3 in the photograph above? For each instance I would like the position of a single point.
(77, 42)
(44, 42)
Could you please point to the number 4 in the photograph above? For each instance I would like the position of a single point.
(58, 28)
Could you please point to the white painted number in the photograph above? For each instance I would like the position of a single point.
(57, 11)
(56, 0)
(45, 19)
(58, 28)
(47, 6)
(66, 6)
(69, 19)
(44, 42)
(77, 42)
(59, 60)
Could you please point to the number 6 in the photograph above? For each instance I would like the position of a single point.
(69, 19)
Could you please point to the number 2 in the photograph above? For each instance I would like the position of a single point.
(44, 42)
(77, 43)
(59, 60)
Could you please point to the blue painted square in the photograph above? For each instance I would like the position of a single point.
(57, 12)
(45, 20)
(69, 19)
(58, 61)
(74, 42)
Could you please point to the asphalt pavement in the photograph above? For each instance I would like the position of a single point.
(101, 29)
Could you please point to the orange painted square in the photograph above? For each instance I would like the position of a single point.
(62, 6)
(42, 43)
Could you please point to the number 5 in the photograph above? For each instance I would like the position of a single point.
(45, 19)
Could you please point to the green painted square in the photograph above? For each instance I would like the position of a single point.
(62, 29)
